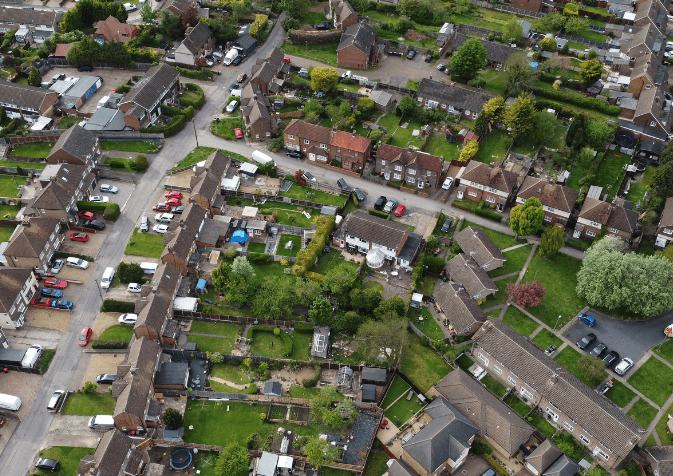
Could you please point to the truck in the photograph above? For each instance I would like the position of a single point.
(261, 158)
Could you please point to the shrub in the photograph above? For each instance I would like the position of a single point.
(112, 305)
(172, 418)
(259, 258)
(303, 327)
(317, 277)
(252, 389)
(10, 127)
(111, 212)
(109, 344)
(580, 101)
(306, 258)
(276, 331)
(434, 263)
(96, 207)
(486, 213)
(130, 273)
(89, 387)
(196, 104)
(176, 124)
(379, 214)
(313, 381)
(116, 164)
(204, 74)
(140, 163)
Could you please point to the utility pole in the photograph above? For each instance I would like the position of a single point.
(195, 136)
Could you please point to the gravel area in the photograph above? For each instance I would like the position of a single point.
(103, 321)
(102, 364)
(24, 386)
(48, 319)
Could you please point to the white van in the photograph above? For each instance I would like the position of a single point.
(108, 276)
(149, 268)
(230, 56)
(31, 356)
(237, 93)
(103, 101)
(261, 158)
(9, 402)
(102, 422)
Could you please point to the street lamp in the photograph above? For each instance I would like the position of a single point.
(306, 49)
(556, 322)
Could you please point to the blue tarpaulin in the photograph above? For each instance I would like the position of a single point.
(239, 236)
(533, 65)
(201, 285)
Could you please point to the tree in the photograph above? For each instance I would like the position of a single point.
(34, 77)
(172, 418)
(545, 125)
(225, 28)
(130, 273)
(299, 177)
(365, 300)
(242, 267)
(375, 135)
(274, 298)
(140, 163)
(320, 452)
(666, 253)
(89, 387)
(592, 367)
(527, 219)
(321, 312)
(590, 71)
(468, 59)
(339, 280)
(341, 416)
(520, 75)
(571, 9)
(190, 17)
(232, 461)
(147, 14)
(394, 305)
(384, 341)
(512, 31)
(290, 23)
(170, 24)
(592, 54)
(520, 117)
(258, 26)
(324, 79)
(220, 275)
(469, 151)
(495, 109)
(481, 124)
(552, 241)
(661, 184)
(576, 25)
(295, 8)
(548, 44)
(351, 322)
(553, 21)
(666, 154)
(238, 290)
(630, 282)
(306, 290)
(599, 132)
(407, 105)
(408, 8)
(242, 9)
(526, 294)
(365, 105)
(216, 358)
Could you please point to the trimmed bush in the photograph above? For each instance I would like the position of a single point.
(116, 164)
(109, 344)
(60, 254)
(306, 258)
(196, 104)
(176, 124)
(204, 74)
(259, 258)
(379, 214)
(111, 212)
(580, 101)
(140, 163)
(112, 305)
(303, 328)
(95, 207)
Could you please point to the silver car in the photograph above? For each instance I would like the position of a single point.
(104, 187)
(390, 205)
(99, 198)
(623, 366)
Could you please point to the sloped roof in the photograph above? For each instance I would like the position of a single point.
(111, 452)
(493, 417)
(666, 219)
(29, 15)
(169, 278)
(312, 132)
(23, 95)
(62, 49)
(475, 242)
(490, 176)
(543, 456)
(595, 210)
(155, 313)
(152, 86)
(353, 141)
(464, 270)
(143, 355)
(623, 219)
(343, 9)
(113, 30)
(497, 52)
(381, 97)
(455, 96)
(133, 399)
(361, 36)
(368, 227)
(662, 457)
(563, 466)
(185, 234)
(200, 35)
(106, 119)
(77, 142)
(12, 281)
(30, 239)
(464, 311)
(409, 157)
(551, 195)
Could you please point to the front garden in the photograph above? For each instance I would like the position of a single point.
(148, 245)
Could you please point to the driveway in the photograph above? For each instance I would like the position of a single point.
(629, 339)
(27, 336)
(74, 429)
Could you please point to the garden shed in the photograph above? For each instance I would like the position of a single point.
(248, 169)
(185, 304)
(267, 464)
(416, 300)
(368, 392)
(374, 375)
(232, 184)
(273, 389)
(249, 212)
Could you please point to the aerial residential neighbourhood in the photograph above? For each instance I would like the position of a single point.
(334, 238)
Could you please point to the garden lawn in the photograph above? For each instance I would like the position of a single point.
(372, 284)
(149, 245)
(377, 462)
(397, 388)
(325, 53)
(428, 325)
(9, 185)
(197, 155)
(89, 404)
(662, 428)
(255, 247)
(215, 328)
(68, 121)
(68, 456)
(501, 240)
(23, 165)
(403, 410)
(642, 412)
(517, 405)
(45, 361)
(516, 258)
(37, 150)
(637, 189)
(494, 147)
(545, 338)
(569, 358)
(518, 321)
(498, 389)
(654, 379)
(292, 215)
(465, 362)
(328, 260)
(117, 332)
(142, 147)
(422, 365)
(558, 275)
(497, 83)
(301, 346)
(620, 394)
(223, 345)
(427, 286)
(665, 351)
(539, 422)
(225, 127)
(298, 192)
(413, 84)
(500, 296)
(6, 232)
(438, 146)
(401, 136)
(611, 172)
(126, 162)
(230, 373)
(265, 344)
(296, 245)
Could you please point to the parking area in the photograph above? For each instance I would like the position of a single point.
(102, 364)
(76, 278)
(24, 386)
(26, 336)
(89, 248)
(73, 429)
(45, 318)
(629, 339)
(125, 188)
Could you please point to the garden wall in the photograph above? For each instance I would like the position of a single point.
(287, 114)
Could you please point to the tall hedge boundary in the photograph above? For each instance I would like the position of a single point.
(110, 211)
(580, 101)
(307, 258)
(112, 305)
(189, 102)
(176, 124)
(204, 74)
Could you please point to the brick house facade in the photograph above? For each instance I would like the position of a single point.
(344, 14)
(357, 47)
(598, 217)
(26, 102)
(142, 104)
(490, 183)
(557, 200)
(17, 287)
(75, 146)
(415, 169)
(451, 98)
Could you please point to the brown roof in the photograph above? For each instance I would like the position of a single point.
(489, 176)
(113, 30)
(594, 413)
(134, 462)
(155, 313)
(76, 141)
(623, 219)
(662, 458)
(12, 281)
(306, 130)
(351, 141)
(152, 86)
(54, 196)
(133, 399)
(217, 163)
(465, 271)
(462, 310)
(377, 230)
(550, 194)
(32, 236)
(143, 355)
(167, 279)
(543, 456)
(111, 452)
(595, 210)
(409, 157)
(62, 49)
(493, 417)
(475, 242)
(666, 220)
(190, 222)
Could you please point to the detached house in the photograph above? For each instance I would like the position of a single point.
(344, 13)
(17, 288)
(465, 270)
(453, 99)
(665, 226)
(112, 30)
(269, 73)
(199, 41)
(26, 102)
(618, 221)
(565, 400)
(178, 7)
(142, 104)
(75, 146)
(462, 311)
(181, 243)
(358, 48)
(557, 200)
(490, 183)
(34, 243)
(416, 169)
(255, 109)
(475, 242)
(116, 455)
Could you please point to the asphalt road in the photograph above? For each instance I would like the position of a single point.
(629, 339)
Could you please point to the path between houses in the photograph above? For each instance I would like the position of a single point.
(227, 382)
(514, 247)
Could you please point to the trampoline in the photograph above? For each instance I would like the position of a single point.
(623, 140)
(181, 458)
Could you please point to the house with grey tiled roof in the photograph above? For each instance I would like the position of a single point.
(75, 146)
(462, 312)
(181, 243)
(475, 242)
(660, 459)
(17, 288)
(558, 201)
(357, 47)
(565, 401)
(142, 104)
(34, 243)
(665, 226)
(199, 41)
(651, 12)
(25, 102)
(491, 183)
(454, 99)
(29, 23)
(256, 111)
(116, 454)
(498, 53)
(206, 183)
(464, 270)
(548, 460)
(415, 169)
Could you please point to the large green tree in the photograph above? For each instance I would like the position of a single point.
(590, 71)
(320, 452)
(526, 219)
(242, 267)
(34, 77)
(468, 59)
(394, 305)
(274, 298)
(553, 21)
(295, 8)
(408, 105)
(552, 241)
(576, 26)
(386, 341)
(592, 367)
(495, 109)
(234, 460)
(339, 280)
(662, 181)
(599, 132)
(520, 117)
(365, 300)
(324, 79)
(147, 13)
(512, 31)
(520, 75)
(544, 126)
(321, 312)
(630, 282)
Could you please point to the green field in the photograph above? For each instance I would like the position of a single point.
(501, 295)
(662, 428)
(6, 232)
(437, 145)
(428, 325)
(494, 147)
(611, 172)
(516, 259)
(23, 165)
(215, 328)
(68, 121)
(654, 379)
(89, 404)
(498, 389)
(396, 389)
(501, 240)
(620, 394)
(324, 53)
(637, 189)
(518, 321)
(642, 412)
(255, 247)
(9, 185)
(422, 365)
(377, 462)
(540, 422)
(230, 373)
(296, 245)
(298, 192)
(545, 338)
(403, 410)
(569, 358)
(117, 332)
(401, 136)
(149, 245)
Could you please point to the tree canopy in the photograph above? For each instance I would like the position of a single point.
(384, 341)
(527, 219)
(552, 241)
(520, 117)
(590, 71)
(512, 31)
(468, 59)
(324, 79)
(234, 460)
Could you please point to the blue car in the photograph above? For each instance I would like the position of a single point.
(51, 292)
(587, 319)
(61, 304)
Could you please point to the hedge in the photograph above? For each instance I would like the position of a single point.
(303, 327)
(317, 277)
(63, 255)
(10, 127)
(580, 101)
(175, 111)
(189, 102)
(561, 110)
(313, 381)
(176, 124)
(259, 258)
(434, 263)
(204, 74)
(379, 214)
(306, 258)
(112, 305)
(112, 212)
(486, 213)
(109, 344)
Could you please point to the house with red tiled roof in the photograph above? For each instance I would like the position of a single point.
(557, 200)
(598, 217)
(111, 29)
(350, 150)
(416, 169)
(61, 50)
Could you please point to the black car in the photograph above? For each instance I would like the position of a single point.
(85, 68)
(380, 203)
(428, 58)
(106, 379)
(446, 226)
(359, 194)
(342, 184)
(93, 224)
(586, 341)
(233, 86)
(411, 54)
(599, 350)
(610, 358)
(293, 153)
(238, 60)
(177, 210)
(47, 464)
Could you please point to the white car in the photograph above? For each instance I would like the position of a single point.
(104, 187)
(447, 183)
(160, 229)
(134, 288)
(163, 217)
(128, 318)
(99, 198)
(129, 7)
(77, 263)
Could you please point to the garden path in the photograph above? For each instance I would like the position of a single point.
(226, 382)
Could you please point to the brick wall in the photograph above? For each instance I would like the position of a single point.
(351, 57)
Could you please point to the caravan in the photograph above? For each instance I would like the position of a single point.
(149, 268)
(9, 402)
(261, 158)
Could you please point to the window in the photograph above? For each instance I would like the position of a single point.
(584, 439)
(11, 311)
(397, 176)
(490, 199)
(483, 357)
(474, 115)
(383, 162)
(472, 193)
(411, 172)
(290, 137)
(290, 145)
(614, 230)
(24, 287)
(526, 393)
(398, 168)
(597, 225)
(411, 180)
(323, 146)
(568, 426)
(42, 255)
(305, 141)
(512, 381)
(443, 106)
(497, 369)
(552, 413)
(668, 232)
(591, 233)
(602, 454)
(653, 123)
(547, 218)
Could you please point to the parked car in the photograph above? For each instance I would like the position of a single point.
(308, 177)
(2, 422)
(162, 229)
(599, 350)
(447, 183)
(134, 288)
(232, 106)
(173, 202)
(411, 55)
(85, 68)
(56, 283)
(84, 336)
(390, 205)
(446, 226)
(51, 293)
(342, 184)
(164, 217)
(610, 358)
(47, 464)
(145, 225)
(99, 199)
(173, 194)
(623, 366)
(586, 341)
(38, 301)
(161, 207)
(56, 266)
(550, 350)
(86, 215)
(441, 66)
(238, 133)
(241, 77)
(587, 319)
(77, 262)
(105, 379)
(129, 7)
(488, 472)
(62, 304)
(128, 318)
(607, 386)
(104, 187)
(293, 153)
(236, 61)
(94, 224)
(380, 203)
(177, 210)
(399, 211)
(428, 58)
(233, 86)
(83, 237)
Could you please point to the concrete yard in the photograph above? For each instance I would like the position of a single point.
(24, 386)
(47, 318)
(102, 364)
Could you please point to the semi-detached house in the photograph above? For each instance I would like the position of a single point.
(17, 288)
(557, 200)
(565, 400)
(416, 169)
(665, 226)
(116, 455)
(453, 99)
(490, 183)
(26, 102)
(181, 243)
(75, 146)
(597, 217)
(142, 104)
(33, 243)
(29, 23)
(475, 242)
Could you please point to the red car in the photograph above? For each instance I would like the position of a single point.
(38, 301)
(79, 237)
(173, 194)
(55, 283)
(238, 133)
(241, 77)
(162, 207)
(86, 215)
(173, 202)
(399, 211)
(85, 336)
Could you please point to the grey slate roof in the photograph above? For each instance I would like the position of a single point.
(666, 219)
(106, 119)
(400, 468)
(661, 458)
(77, 141)
(455, 96)
(360, 35)
(376, 230)
(200, 35)
(82, 86)
(189, 226)
(475, 242)
(374, 374)
(543, 456)
(30, 239)
(22, 95)
(274, 389)
(652, 147)
(212, 231)
(172, 373)
(463, 311)
(111, 452)
(245, 41)
(30, 15)
(563, 466)
(152, 86)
